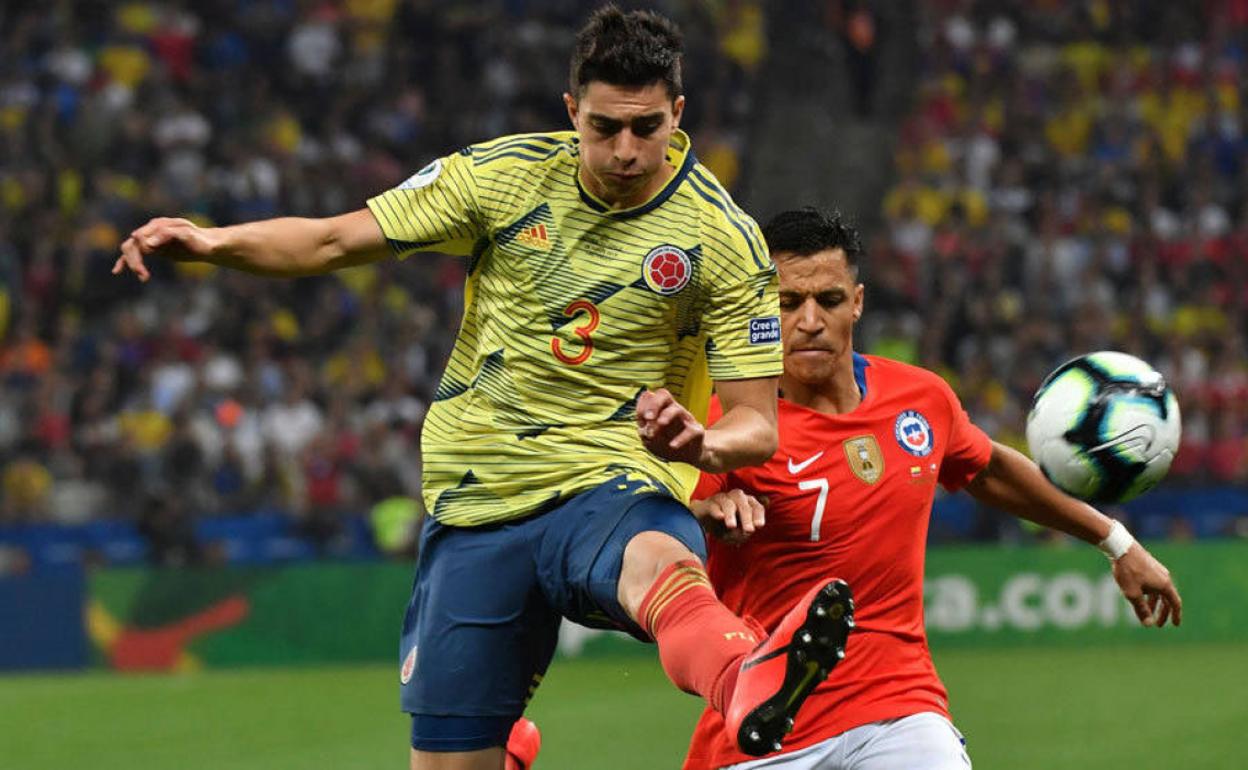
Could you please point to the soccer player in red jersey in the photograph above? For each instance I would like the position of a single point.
(863, 443)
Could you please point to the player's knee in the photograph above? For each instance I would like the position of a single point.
(649, 553)
(645, 558)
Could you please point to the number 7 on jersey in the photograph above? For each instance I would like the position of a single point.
(820, 504)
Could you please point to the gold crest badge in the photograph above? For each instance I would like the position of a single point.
(865, 458)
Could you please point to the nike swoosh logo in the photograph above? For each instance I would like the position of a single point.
(796, 468)
(812, 670)
(1140, 438)
(749, 664)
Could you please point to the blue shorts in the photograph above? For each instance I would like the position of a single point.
(483, 620)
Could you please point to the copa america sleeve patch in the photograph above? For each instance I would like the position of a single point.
(424, 177)
(765, 331)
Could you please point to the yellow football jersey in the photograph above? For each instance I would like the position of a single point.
(571, 311)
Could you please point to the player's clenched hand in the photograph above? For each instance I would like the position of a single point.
(177, 239)
(731, 516)
(1147, 585)
(668, 429)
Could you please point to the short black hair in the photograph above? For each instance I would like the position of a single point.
(808, 230)
(627, 49)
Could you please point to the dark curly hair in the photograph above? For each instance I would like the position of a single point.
(627, 49)
(808, 230)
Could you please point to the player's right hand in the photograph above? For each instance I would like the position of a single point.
(177, 239)
(1148, 587)
(669, 430)
(731, 516)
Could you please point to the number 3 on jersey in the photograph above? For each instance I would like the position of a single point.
(583, 331)
(820, 504)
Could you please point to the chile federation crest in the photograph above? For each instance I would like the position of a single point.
(913, 433)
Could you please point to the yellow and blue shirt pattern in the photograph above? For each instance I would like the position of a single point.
(572, 310)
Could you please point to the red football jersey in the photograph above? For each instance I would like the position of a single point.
(849, 496)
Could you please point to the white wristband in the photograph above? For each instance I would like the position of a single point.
(1117, 542)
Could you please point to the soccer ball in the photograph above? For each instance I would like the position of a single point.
(1104, 427)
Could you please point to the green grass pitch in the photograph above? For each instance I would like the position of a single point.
(1167, 706)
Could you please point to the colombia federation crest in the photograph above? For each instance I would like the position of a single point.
(409, 667)
(666, 270)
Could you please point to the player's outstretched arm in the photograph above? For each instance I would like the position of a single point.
(286, 247)
(745, 435)
(1015, 484)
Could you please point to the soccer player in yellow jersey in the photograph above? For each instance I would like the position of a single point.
(611, 280)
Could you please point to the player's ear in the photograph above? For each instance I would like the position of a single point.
(569, 101)
(859, 297)
(678, 109)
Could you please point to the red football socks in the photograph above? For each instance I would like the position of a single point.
(701, 643)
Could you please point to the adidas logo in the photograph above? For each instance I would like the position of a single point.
(534, 237)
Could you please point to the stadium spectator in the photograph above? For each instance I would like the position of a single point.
(27, 486)
(857, 25)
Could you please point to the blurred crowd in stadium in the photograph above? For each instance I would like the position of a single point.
(1071, 177)
(208, 392)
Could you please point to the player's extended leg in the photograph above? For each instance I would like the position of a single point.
(665, 590)
(625, 555)
(757, 683)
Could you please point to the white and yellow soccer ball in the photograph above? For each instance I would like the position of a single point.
(1104, 427)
